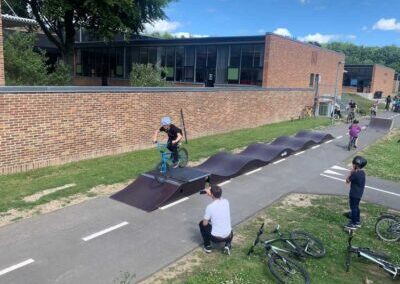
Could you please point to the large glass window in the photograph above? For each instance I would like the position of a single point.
(188, 70)
(170, 63)
(180, 58)
(201, 63)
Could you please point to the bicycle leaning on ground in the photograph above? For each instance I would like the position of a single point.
(299, 244)
(162, 168)
(379, 258)
(387, 227)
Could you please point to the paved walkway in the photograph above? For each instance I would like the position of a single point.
(94, 241)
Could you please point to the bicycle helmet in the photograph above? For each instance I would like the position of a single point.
(355, 121)
(166, 120)
(359, 161)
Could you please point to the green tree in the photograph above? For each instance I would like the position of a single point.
(147, 75)
(24, 66)
(104, 18)
(165, 35)
(386, 55)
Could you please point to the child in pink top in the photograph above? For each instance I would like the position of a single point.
(354, 130)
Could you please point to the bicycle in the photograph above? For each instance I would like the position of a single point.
(300, 244)
(307, 112)
(387, 227)
(379, 258)
(350, 116)
(164, 165)
(352, 143)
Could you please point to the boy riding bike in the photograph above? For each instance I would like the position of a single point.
(354, 130)
(174, 136)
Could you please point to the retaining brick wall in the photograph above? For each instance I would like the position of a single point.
(41, 129)
(2, 78)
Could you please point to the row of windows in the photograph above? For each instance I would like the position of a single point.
(230, 64)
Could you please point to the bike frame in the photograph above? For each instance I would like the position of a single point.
(162, 147)
(387, 266)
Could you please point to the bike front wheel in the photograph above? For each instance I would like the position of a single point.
(286, 270)
(161, 172)
(183, 157)
(309, 244)
(388, 229)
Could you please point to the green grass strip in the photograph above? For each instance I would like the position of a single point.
(322, 218)
(120, 168)
(383, 158)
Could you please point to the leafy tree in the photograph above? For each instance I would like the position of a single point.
(165, 35)
(104, 18)
(17, 6)
(147, 75)
(387, 55)
(24, 66)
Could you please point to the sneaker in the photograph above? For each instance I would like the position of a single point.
(358, 224)
(227, 249)
(350, 226)
(175, 165)
(207, 249)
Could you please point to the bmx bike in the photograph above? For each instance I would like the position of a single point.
(298, 244)
(162, 168)
(351, 116)
(387, 227)
(380, 258)
(352, 143)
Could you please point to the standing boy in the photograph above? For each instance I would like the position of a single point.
(356, 179)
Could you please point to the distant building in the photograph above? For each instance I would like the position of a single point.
(372, 81)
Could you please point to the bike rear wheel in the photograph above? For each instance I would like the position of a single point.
(388, 228)
(286, 270)
(309, 244)
(183, 157)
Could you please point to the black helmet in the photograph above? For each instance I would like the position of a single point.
(359, 161)
(355, 121)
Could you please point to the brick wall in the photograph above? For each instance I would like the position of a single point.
(40, 129)
(382, 79)
(2, 80)
(289, 63)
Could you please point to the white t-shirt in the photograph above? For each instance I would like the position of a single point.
(219, 214)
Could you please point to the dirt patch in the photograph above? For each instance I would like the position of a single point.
(298, 200)
(14, 215)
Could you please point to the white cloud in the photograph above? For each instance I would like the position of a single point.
(282, 32)
(387, 25)
(351, 37)
(364, 28)
(320, 38)
(304, 1)
(261, 31)
(188, 35)
(161, 26)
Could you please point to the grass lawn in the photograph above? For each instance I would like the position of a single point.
(121, 168)
(383, 158)
(319, 215)
(363, 104)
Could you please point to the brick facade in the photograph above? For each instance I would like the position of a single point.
(289, 63)
(2, 78)
(41, 129)
(382, 79)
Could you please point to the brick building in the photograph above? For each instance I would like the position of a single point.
(268, 61)
(369, 80)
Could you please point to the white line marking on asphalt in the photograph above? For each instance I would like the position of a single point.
(252, 172)
(332, 173)
(105, 231)
(370, 187)
(277, 162)
(174, 203)
(315, 147)
(299, 153)
(339, 168)
(327, 142)
(16, 266)
(339, 137)
(223, 183)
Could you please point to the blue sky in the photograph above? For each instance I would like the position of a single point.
(366, 22)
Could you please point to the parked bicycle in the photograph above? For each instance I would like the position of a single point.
(165, 164)
(387, 227)
(380, 258)
(299, 244)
